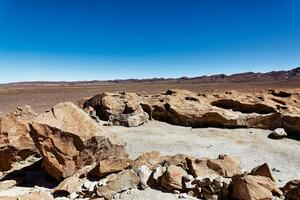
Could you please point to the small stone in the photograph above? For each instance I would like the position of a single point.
(278, 133)
(144, 173)
(262, 170)
(102, 182)
(159, 171)
(183, 195)
(73, 195)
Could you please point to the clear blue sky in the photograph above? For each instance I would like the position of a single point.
(112, 39)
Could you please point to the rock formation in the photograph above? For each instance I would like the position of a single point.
(267, 110)
(15, 142)
(68, 139)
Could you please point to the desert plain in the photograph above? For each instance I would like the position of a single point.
(184, 118)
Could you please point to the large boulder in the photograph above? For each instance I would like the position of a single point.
(15, 141)
(254, 188)
(121, 108)
(68, 139)
(133, 119)
(185, 108)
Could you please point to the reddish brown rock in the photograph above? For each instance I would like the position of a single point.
(254, 188)
(15, 141)
(68, 139)
(110, 165)
(172, 178)
(262, 170)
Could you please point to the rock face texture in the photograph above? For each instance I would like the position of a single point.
(172, 178)
(267, 110)
(110, 165)
(119, 108)
(254, 188)
(222, 166)
(15, 141)
(149, 159)
(124, 180)
(68, 139)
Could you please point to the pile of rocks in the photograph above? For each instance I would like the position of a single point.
(90, 162)
(219, 178)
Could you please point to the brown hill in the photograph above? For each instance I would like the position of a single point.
(285, 76)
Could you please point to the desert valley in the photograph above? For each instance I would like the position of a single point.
(212, 137)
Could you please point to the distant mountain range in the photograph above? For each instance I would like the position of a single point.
(288, 76)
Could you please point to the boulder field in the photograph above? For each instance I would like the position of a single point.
(89, 162)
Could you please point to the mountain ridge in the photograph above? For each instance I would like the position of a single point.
(282, 76)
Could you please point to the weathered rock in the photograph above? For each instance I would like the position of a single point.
(291, 123)
(107, 104)
(262, 170)
(278, 133)
(149, 159)
(144, 173)
(224, 165)
(4, 185)
(125, 180)
(157, 174)
(15, 142)
(172, 178)
(181, 107)
(185, 108)
(178, 160)
(110, 165)
(279, 93)
(134, 119)
(67, 186)
(68, 139)
(137, 118)
(292, 190)
(254, 188)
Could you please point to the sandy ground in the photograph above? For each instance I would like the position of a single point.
(251, 146)
(41, 98)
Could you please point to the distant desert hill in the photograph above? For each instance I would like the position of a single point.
(285, 76)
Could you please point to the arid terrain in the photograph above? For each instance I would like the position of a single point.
(213, 138)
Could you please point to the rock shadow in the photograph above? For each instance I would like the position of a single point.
(32, 175)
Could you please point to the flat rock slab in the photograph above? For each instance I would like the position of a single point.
(251, 146)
